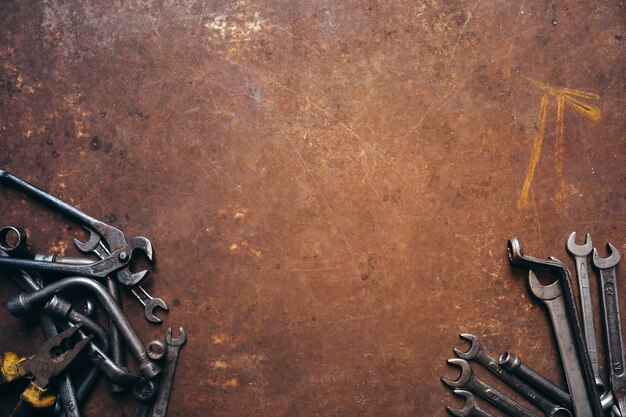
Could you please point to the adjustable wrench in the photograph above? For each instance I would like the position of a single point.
(478, 354)
(612, 323)
(589, 398)
(167, 380)
(552, 296)
(580, 254)
(121, 251)
(468, 381)
(470, 408)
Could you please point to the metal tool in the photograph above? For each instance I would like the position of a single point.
(50, 361)
(480, 355)
(580, 254)
(150, 303)
(120, 250)
(24, 302)
(612, 324)
(586, 401)
(167, 380)
(470, 408)
(514, 365)
(156, 349)
(552, 296)
(468, 381)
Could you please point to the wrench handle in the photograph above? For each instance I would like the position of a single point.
(587, 315)
(167, 381)
(498, 399)
(613, 328)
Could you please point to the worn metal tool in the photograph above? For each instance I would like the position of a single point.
(120, 250)
(167, 380)
(468, 381)
(514, 365)
(50, 361)
(478, 354)
(612, 324)
(581, 254)
(470, 408)
(577, 364)
(24, 302)
(552, 296)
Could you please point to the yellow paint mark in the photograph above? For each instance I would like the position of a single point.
(534, 159)
(562, 96)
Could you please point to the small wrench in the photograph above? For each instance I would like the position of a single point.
(480, 355)
(612, 324)
(552, 296)
(580, 254)
(468, 381)
(470, 408)
(167, 380)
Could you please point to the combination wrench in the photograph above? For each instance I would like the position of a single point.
(169, 369)
(585, 395)
(470, 408)
(581, 254)
(612, 323)
(478, 354)
(468, 381)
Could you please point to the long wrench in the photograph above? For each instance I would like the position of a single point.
(167, 380)
(578, 348)
(470, 382)
(480, 355)
(612, 323)
(552, 296)
(580, 254)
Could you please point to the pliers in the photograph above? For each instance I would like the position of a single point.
(50, 361)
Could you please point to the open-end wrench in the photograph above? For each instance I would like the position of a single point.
(470, 408)
(578, 349)
(167, 380)
(480, 355)
(552, 296)
(468, 381)
(580, 254)
(121, 251)
(612, 324)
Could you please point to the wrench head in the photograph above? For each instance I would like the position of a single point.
(543, 292)
(90, 244)
(472, 351)
(606, 263)
(464, 378)
(124, 275)
(514, 249)
(151, 305)
(182, 337)
(579, 250)
(469, 407)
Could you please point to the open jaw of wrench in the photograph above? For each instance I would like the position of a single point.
(478, 354)
(612, 324)
(468, 381)
(470, 408)
(569, 316)
(581, 254)
(120, 250)
(167, 379)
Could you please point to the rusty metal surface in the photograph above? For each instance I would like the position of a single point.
(329, 186)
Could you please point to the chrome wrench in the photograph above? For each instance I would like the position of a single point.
(581, 254)
(167, 380)
(612, 323)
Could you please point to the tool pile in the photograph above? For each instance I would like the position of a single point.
(45, 280)
(587, 395)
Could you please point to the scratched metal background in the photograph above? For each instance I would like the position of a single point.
(329, 186)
